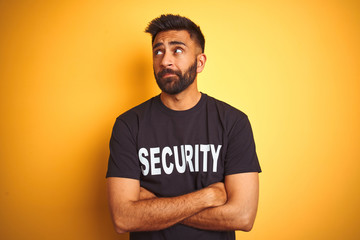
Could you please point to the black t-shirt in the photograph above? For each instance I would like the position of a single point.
(177, 152)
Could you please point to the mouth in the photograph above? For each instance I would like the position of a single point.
(167, 75)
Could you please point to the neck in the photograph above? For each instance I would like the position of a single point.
(183, 100)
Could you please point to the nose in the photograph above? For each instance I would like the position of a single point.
(167, 60)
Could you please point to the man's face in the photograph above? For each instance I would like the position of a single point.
(175, 60)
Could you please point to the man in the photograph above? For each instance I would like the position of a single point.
(182, 165)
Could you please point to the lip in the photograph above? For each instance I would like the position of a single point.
(169, 75)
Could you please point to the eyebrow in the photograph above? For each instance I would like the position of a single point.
(171, 43)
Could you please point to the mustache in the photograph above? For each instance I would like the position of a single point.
(168, 70)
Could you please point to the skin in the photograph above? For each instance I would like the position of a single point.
(176, 50)
(231, 205)
(238, 213)
(131, 213)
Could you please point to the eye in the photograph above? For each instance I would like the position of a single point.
(178, 50)
(158, 52)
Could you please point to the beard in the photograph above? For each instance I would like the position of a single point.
(176, 84)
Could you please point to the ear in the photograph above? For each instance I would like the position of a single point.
(201, 60)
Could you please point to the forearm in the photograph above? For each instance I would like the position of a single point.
(160, 213)
(222, 218)
(240, 210)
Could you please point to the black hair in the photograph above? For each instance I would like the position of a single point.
(175, 22)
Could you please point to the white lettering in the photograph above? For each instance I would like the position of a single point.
(188, 156)
(205, 149)
(196, 157)
(145, 163)
(180, 168)
(215, 156)
(167, 151)
(154, 160)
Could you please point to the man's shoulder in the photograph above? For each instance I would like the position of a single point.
(137, 111)
(228, 110)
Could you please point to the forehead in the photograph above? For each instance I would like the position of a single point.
(174, 36)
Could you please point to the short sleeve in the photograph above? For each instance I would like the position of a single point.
(241, 153)
(123, 160)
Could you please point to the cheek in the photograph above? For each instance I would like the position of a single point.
(157, 60)
(155, 65)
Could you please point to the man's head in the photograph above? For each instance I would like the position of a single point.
(178, 46)
(175, 22)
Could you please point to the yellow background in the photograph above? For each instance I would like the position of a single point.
(69, 68)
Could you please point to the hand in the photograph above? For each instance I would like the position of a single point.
(220, 196)
(146, 194)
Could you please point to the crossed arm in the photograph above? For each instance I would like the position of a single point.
(217, 207)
